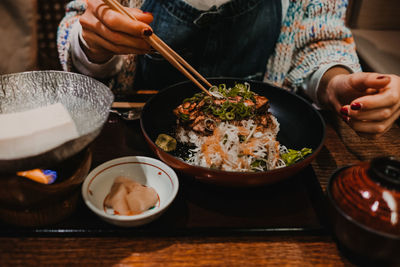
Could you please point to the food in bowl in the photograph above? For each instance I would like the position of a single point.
(232, 130)
(142, 170)
(166, 142)
(128, 197)
(300, 126)
(35, 131)
(86, 100)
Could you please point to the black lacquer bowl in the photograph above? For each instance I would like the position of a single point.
(300, 126)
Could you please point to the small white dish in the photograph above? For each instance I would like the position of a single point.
(144, 170)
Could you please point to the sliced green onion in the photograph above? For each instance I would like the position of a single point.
(184, 117)
(230, 116)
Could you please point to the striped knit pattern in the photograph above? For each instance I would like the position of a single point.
(313, 34)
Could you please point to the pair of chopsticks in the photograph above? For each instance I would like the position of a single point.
(167, 52)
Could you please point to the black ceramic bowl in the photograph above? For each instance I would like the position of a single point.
(300, 126)
(364, 204)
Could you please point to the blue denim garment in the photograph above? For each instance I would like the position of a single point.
(234, 40)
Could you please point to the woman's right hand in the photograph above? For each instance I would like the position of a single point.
(108, 33)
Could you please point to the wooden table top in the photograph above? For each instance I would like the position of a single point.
(342, 147)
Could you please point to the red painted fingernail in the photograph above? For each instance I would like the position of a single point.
(344, 111)
(355, 106)
(381, 77)
(147, 32)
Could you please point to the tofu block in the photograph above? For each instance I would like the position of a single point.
(32, 132)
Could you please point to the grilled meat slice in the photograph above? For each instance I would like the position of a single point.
(192, 114)
(262, 103)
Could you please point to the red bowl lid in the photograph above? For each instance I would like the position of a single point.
(369, 193)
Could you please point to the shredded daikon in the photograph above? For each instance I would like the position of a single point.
(228, 149)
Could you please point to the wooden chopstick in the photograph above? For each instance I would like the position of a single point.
(167, 52)
(182, 61)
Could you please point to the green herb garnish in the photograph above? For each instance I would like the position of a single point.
(259, 165)
(292, 156)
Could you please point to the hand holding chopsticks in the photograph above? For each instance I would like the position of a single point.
(167, 52)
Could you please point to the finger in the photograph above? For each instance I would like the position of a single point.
(362, 81)
(372, 115)
(386, 98)
(120, 22)
(117, 38)
(372, 127)
(98, 6)
(145, 17)
(99, 42)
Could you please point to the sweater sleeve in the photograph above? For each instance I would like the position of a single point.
(64, 37)
(122, 80)
(84, 65)
(313, 36)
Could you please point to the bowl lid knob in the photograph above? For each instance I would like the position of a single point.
(386, 171)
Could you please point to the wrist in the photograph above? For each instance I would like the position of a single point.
(326, 89)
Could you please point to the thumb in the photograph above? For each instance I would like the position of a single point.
(362, 81)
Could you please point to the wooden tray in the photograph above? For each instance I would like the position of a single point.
(295, 205)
